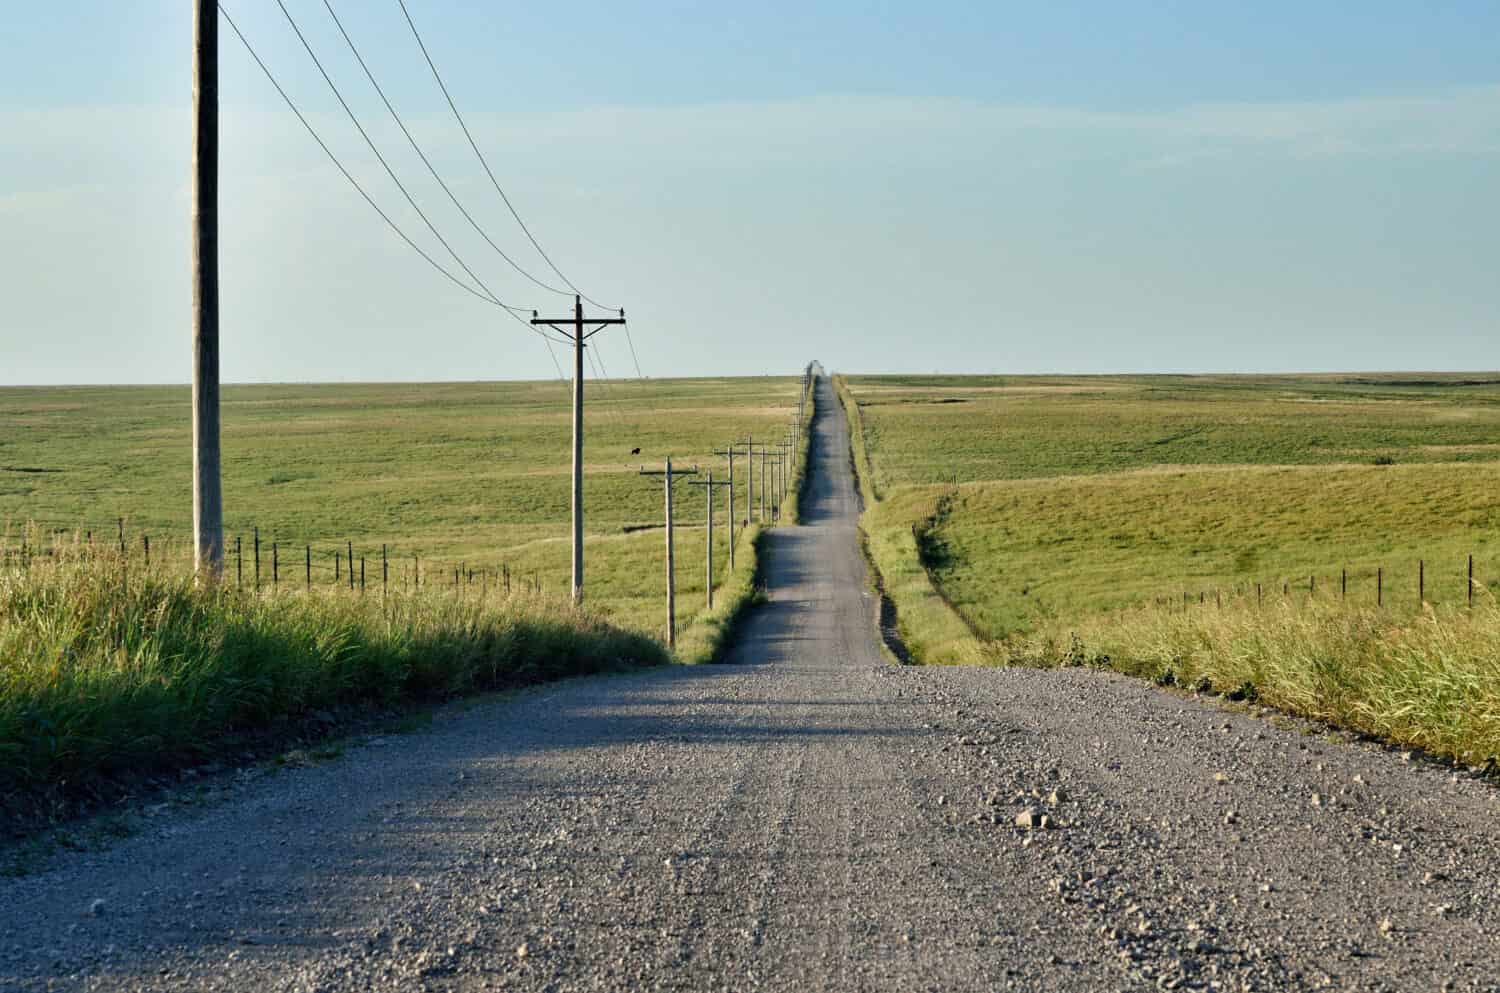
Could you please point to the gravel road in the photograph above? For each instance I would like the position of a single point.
(810, 818)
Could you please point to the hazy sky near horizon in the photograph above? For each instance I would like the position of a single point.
(947, 186)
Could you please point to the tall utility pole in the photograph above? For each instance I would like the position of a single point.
(668, 475)
(208, 502)
(573, 329)
(708, 528)
(730, 453)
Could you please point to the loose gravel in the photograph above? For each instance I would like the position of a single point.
(810, 817)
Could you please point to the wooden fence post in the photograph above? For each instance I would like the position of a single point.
(385, 571)
(351, 567)
(146, 546)
(307, 562)
(257, 559)
(1471, 580)
(275, 567)
(239, 565)
(1344, 583)
(1379, 585)
(361, 574)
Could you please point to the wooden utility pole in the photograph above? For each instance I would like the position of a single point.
(573, 329)
(708, 528)
(668, 475)
(775, 473)
(208, 503)
(749, 444)
(730, 453)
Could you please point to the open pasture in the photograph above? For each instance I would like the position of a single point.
(941, 429)
(471, 474)
(1078, 495)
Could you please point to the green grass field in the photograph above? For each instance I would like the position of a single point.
(113, 668)
(455, 473)
(1027, 518)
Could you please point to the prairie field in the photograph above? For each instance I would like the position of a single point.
(113, 666)
(1175, 525)
(470, 475)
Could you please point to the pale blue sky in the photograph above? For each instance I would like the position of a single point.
(939, 186)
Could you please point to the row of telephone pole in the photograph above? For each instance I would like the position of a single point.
(208, 508)
(777, 462)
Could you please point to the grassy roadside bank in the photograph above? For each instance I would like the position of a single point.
(933, 633)
(1310, 543)
(1429, 680)
(111, 674)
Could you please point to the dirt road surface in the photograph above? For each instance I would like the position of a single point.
(810, 817)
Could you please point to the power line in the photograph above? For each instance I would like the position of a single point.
(340, 166)
(428, 163)
(637, 361)
(386, 165)
(484, 162)
(297, 112)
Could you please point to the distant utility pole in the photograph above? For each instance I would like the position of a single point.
(749, 444)
(730, 453)
(208, 502)
(709, 530)
(764, 456)
(573, 329)
(785, 451)
(775, 463)
(668, 476)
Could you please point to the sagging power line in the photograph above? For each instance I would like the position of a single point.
(438, 77)
(428, 162)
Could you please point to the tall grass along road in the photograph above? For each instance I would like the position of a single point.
(810, 818)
